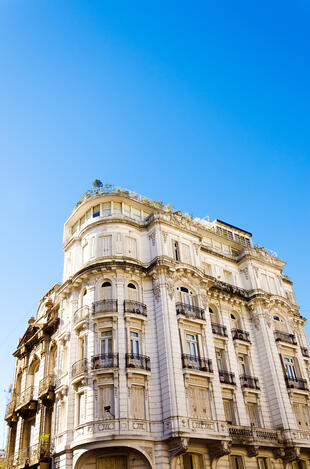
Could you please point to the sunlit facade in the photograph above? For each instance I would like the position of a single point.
(171, 343)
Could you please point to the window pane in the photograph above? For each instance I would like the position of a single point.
(96, 211)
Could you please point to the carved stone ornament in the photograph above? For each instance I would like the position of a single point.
(245, 272)
(252, 451)
(197, 247)
(255, 320)
(152, 237)
(292, 453)
(171, 287)
(177, 446)
(204, 298)
(219, 449)
(156, 289)
(267, 317)
(165, 236)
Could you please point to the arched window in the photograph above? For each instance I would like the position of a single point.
(186, 296)
(106, 290)
(280, 324)
(235, 320)
(132, 292)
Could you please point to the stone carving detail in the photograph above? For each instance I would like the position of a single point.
(152, 237)
(267, 317)
(196, 247)
(245, 271)
(178, 446)
(252, 451)
(279, 453)
(156, 289)
(219, 449)
(292, 453)
(255, 320)
(170, 287)
(204, 298)
(165, 236)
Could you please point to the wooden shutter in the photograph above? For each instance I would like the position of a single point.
(106, 245)
(198, 402)
(132, 294)
(137, 402)
(253, 414)
(107, 399)
(228, 410)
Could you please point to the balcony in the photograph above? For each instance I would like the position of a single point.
(81, 314)
(27, 400)
(285, 337)
(249, 382)
(32, 455)
(226, 377)
(197, 363)
(46, 389)
(253, 433)
(134, 307)
(134, 360)
(105, 306)
(219, 329)
(10, 408)
(79, 367)
(190, 311)
(305, 351)
(239, 334)
(296, 383)
(105, 360)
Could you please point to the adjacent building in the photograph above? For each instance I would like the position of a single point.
(172, 342)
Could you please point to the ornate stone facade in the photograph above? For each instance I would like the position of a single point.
(169, 344)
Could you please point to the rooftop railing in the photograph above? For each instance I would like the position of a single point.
(197, 363)
(190, 311)
(239, 334)
(285, 337)
(135, 307)
(219, 329)
(105, 306)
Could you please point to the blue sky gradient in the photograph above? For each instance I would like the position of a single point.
(204, 105)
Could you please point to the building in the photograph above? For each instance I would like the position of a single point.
(171, 343)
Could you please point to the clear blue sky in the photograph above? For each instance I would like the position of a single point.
(202, 104)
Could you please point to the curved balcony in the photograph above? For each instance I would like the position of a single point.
(79, 367)
(197, 363)
(135, 307)
(105, 360)
(10, 408)
(219, 329)
(239, 334)
(226, 377)
(134, 360)
(46, 389)
(190, 311)
(105, 306)
(249, 382)
(296, 383)
(285, 337)
(26, 401)
(81, 314)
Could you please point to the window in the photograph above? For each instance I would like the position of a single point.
(243, 365)
(301, 412)
(185, 254)
(106, 400)
(236, 462)
(229, 411)
(253, 413)
(126, 210)
(106, 290)
(81, 408)
(106, 342)
(176, 252)
(117, 208)
(106, 209)
(276, 318)
(132, 292)
(289, 367)
(192, 346)
(262, 463)
(134, 343)
(136, 214)
(131, 246)
(198, 400)
(191, 461)
(137, 398)
(96, 211)
(219, 360)
(105, 245)
(186, 296)
(299, 465)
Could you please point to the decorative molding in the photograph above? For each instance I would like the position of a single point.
(197, 246)
(171, 287)
(177, 446)
(156, 289)
(252, 451)
(245, 272)
(219, 449)
(152, 237)
(165, 236)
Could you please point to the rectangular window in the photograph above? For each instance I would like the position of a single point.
(301, 412)
(117, 208)
(253, 412)
(236, 462)
(262, 463)
(126, 210)
(106, 345)
(185, 254)
(191, 461)
(134, 343)
(229, 411)
(290, 367)
(106, 402)
(81, 408)
(175, 250)
(136, 214)
(131, 246)
(137, 398)
(106, 209)
(192, 346)
(198, 400)
(106, 246)
(96, 211)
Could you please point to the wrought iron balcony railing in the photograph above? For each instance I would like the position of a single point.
(134, 360)
(190, 311)
(25, 397)
(105, 360)
(10, 406)
(79, 367)
(305, 351)
(256, 433)
(80, 314)
(249, 382)
(296, 383)
(219, 329)
(134, 307)
(31, 455)
(239, 334)
(197, 363)
(227, 377)
(47, 384)
(285, 337)
(105, 306)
